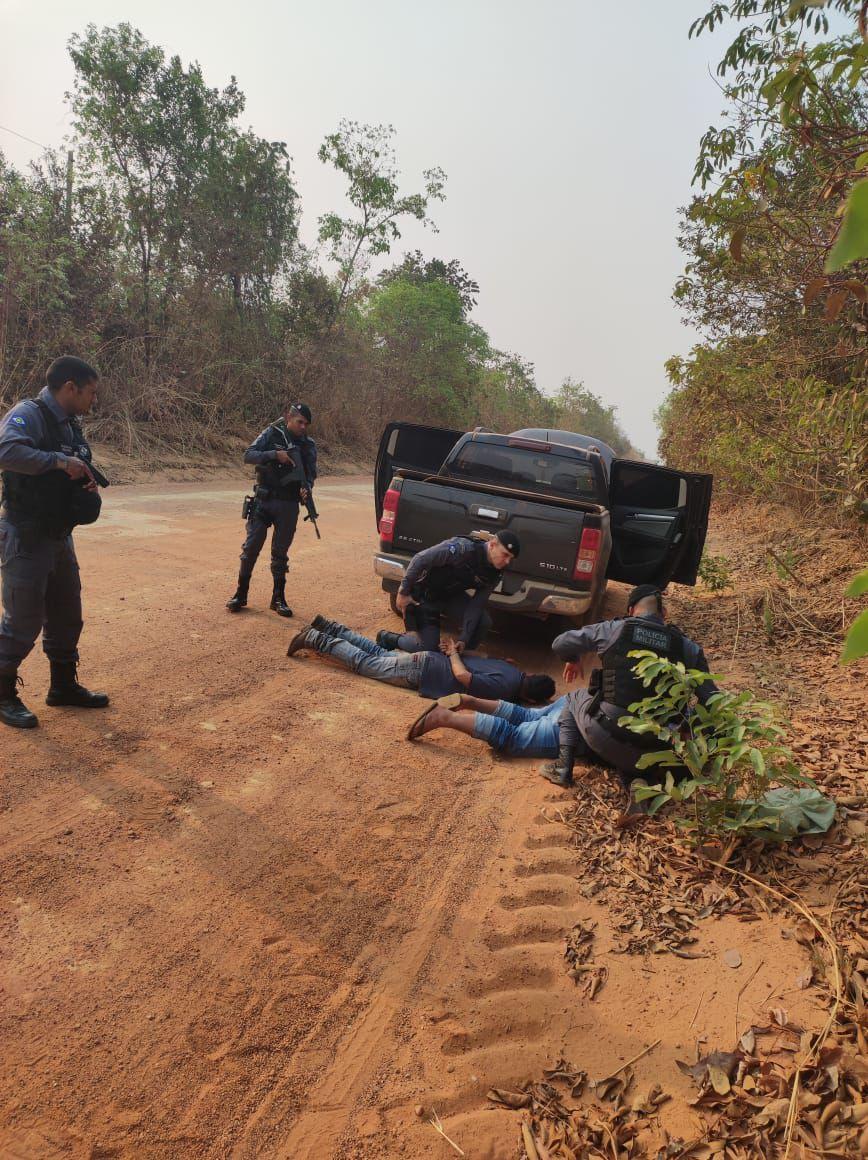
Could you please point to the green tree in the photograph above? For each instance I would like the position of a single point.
(429, 356)
(417, 269)
(579, 409)
(366, 156)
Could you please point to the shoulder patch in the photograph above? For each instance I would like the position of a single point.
(18, 421)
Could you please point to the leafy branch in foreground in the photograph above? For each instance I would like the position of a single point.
(856, 642)
(727, 752)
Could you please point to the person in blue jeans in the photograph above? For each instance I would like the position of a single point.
(509, 729)
(430, 674)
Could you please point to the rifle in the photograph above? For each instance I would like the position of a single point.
(297, 476)
(312, 513)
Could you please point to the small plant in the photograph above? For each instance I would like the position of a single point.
(715, 572)
(856, 643)
(728, 750)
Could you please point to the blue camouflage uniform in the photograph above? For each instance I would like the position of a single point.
(580, 726)
(440, 579)
(41, 587)
(276, 503)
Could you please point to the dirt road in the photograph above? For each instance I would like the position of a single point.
(242, 917)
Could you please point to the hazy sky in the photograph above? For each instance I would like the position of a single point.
(568, 131)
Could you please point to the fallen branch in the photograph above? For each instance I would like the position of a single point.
(618, 1070)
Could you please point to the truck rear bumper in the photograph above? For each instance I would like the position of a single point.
(534, 596)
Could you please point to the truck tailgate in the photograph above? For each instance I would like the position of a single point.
(430, 511)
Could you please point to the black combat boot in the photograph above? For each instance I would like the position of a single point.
(560, 772)
(239, 600)
(13, 711)
(278, 598)
(388, 640)
(65, 689)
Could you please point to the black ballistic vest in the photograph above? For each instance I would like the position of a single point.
(447, 580)
(619, 684)
(52, 503)
(284, 479)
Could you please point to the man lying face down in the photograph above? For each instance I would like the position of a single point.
(430, 674)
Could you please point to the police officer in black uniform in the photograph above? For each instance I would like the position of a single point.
(589, 723)
(285, 460)
(49, 487)
(437, 583)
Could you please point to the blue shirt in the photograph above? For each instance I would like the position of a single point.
(22, 430)
(491, 679)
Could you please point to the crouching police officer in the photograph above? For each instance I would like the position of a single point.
(48, 488)
(589, 723)
(285, 461)
(437, 583)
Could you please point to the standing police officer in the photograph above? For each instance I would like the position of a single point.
(48, 488)
(285, 461)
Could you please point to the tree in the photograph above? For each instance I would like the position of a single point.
(429, 356)
(195, 194)
(416, 269)
(366, 157)
(580, 410)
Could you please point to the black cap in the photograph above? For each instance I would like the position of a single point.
(641, 591)
(302, 409)
(510, 541)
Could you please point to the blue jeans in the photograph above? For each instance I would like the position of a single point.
(521, 732)
(366, 658)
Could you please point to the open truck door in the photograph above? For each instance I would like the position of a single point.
(659, 519)
(413, 447)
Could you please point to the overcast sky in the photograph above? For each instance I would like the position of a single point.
(568, 130)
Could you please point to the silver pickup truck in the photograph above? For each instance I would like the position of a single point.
(583, 515)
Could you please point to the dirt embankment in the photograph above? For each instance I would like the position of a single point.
(241, 916)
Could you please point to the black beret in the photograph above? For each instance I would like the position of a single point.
(641, 591)
(510, 541)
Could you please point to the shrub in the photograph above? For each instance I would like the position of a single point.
(728, 751)
(715, 572)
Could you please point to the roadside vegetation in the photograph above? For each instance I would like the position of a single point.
(773, 401)
(166, 250)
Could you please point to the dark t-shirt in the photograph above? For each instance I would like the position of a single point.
(491, 679)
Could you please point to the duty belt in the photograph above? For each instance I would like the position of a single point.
(625, 736)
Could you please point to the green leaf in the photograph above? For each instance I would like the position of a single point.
(758, 762)
(856, 642)
(659, 801)
(861, 161)
(859, 584)
(852, 241)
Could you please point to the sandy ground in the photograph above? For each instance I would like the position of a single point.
(242, 917)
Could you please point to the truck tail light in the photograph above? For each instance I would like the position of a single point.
(390, 512)
(586, 557)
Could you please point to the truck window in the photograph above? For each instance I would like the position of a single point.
(526, 470)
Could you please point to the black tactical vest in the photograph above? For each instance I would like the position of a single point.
(447, 580)
(284, 479)
(52, 503)
(620, 685)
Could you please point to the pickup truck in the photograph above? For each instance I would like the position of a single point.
(583, 516)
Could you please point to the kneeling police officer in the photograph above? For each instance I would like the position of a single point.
(49, 487)
(285, 460)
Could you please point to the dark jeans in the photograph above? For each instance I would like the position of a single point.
(41, 592)
(282, 514)
(422, 623)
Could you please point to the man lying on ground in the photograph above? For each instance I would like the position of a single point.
(431, 674)
(508, 728)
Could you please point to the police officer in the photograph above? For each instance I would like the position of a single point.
(589, 723)
(436, 584)
(48, 488)
(285, 460)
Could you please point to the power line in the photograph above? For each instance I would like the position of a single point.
(24, 137)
